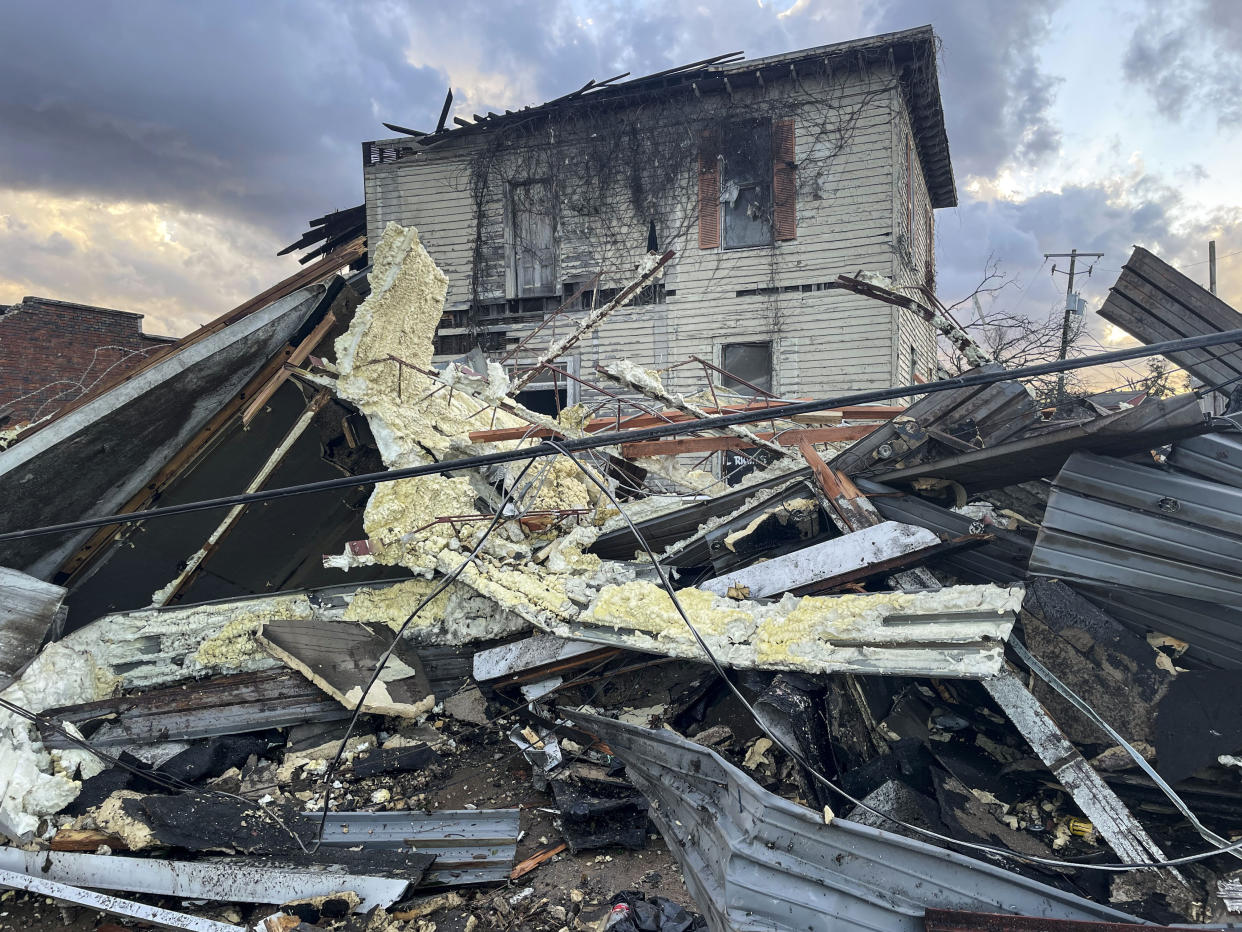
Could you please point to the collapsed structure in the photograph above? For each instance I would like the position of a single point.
(299, 615)
(963, 638)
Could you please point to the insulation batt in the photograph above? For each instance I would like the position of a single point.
(417, 419)
(34, 782)
(792, 634)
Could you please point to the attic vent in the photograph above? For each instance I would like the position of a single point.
(375, 154)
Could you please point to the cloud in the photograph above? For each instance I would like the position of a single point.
(1191, 69)
(251, 111)
(1111, 216)
(156, 155)
(177, 267)
(997, 96)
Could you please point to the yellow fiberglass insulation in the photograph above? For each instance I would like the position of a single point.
(391, 605)
(796, 633)
(418, 419)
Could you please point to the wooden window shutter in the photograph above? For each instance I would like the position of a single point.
(709, 191)
(784, 182)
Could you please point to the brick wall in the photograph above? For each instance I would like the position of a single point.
(52, 352)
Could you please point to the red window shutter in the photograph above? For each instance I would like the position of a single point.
(709, 192)
(784, 181)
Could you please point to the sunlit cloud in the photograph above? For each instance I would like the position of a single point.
(178, 267)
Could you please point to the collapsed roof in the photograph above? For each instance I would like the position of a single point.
(897, 642)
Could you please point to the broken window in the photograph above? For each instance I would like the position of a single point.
(746, 183)
(749, 366)
(532, 237)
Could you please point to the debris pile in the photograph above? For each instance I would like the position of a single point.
(452, 663)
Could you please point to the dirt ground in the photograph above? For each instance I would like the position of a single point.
(566, 892)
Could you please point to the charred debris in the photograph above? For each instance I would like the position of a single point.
(939, 659)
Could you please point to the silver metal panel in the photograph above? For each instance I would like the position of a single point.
(27, 609)
(164, 918)
(1213, 456)
(1119, 523)
(755, 862)
(825, 560)
(471, 846)
(238, 880)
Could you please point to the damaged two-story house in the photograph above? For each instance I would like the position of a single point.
(768, 178)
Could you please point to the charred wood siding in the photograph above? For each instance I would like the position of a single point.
(836, 139)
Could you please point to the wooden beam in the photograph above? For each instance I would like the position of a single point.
(853, 412)
(170, 592)
(788, 438)
(296, 358)
(851, 510)
(176, 467)
(534, 861)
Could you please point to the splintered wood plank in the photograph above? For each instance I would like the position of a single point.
(340, 657)
(221, 705)
(296, 358)
(852, 511)
(790, 438)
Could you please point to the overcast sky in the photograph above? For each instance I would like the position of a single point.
(154, 156)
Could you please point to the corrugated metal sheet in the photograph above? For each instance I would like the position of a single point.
(1152, 301)
(471, 846)
(1213, 456)
(1114, 522)
(754, 861)
(946, 422)
(1132, 431)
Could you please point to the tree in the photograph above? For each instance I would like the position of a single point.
(1015, 340)
(1163, 379)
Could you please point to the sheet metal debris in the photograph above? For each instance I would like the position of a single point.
(28, 610)
(849, 612)
(240, 880)
(66, 893)
(754, 860)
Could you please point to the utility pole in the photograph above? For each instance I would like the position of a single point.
(1212, 266)
(1073, 256)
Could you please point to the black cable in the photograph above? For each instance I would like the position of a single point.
(448, 580)
(152, 775)
(595, 441)
(801, 759)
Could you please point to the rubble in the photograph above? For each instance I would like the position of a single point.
(960, 657)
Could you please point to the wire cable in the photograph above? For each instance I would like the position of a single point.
(595, 441)
(1081, 705)
(448, 580)
(164, 781)
(810, 768)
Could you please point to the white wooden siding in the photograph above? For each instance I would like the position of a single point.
(824, 341)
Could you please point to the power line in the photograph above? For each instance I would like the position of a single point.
(596, 441)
